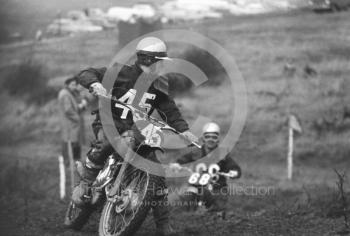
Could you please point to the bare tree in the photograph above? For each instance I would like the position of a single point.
(343, 199)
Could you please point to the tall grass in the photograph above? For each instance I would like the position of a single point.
(29, 82)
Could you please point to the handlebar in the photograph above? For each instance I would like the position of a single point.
(218, 173)
(228, 175)
(164, 126)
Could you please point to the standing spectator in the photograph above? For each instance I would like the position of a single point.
(71, 106)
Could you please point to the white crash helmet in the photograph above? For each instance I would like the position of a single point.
(152, 46)
(211, 127)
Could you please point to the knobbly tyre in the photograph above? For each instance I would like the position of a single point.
(123, 191)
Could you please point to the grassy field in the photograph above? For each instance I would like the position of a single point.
(261, 46)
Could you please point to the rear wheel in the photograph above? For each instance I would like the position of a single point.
(124, 215)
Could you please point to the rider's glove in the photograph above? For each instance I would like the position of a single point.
(83, 104)
(232, 174)
(98, 89)
(175, 166)
(189, 136)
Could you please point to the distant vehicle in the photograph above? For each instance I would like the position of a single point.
(329, 5)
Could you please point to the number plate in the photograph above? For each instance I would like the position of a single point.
(201, 179)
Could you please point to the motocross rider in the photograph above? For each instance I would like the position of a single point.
(214, 200)
(148, 51)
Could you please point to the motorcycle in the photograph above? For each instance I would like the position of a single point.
(122, 190)
(201, 184)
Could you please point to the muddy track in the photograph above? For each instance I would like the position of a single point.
(30, 205)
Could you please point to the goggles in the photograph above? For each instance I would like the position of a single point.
(153, 56)
(214, 137)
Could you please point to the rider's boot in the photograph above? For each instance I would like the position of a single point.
(88, 172)
(87, 175)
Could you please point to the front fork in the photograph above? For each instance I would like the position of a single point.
(104, 177)
(112, 193)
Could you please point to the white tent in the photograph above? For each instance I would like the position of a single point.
(129, 14)
(188, 10)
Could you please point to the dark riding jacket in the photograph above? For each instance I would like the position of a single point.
(157, 89)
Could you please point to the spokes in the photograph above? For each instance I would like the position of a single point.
(121, 212)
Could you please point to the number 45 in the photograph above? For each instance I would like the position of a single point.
(128, 98)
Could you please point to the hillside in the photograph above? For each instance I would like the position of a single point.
(269, 42)
(27, 16)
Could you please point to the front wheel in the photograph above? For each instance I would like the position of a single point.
(124, 215)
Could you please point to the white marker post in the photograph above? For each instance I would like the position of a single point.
(293, 124)
(71, 164)
(290, 153)
(62, 177)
